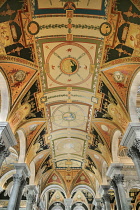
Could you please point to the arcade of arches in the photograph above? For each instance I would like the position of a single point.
(70, 104)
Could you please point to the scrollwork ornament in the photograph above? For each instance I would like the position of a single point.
(6, 152)
(17, 179)
(136, 144)
(113, 184)
(133, 152)
(31, 198)
(118, 178)
(2, 146)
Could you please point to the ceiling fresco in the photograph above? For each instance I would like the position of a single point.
(69, 66)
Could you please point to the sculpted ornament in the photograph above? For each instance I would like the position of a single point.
(133, 152)
(3, 150)
(31, 198)
(18, 179)
(136, 144)
(118, 178)
(113, 184)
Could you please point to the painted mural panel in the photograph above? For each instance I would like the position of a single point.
(126, 40)
(12, 34)
(80, 6)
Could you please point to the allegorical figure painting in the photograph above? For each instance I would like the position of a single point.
(69, 65)
(11, 34)
(128, 35)
(9, 8)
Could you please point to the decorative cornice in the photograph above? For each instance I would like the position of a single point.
(17, 179)
(22, 169)
(131, 135)
(115, 168)
(118, 178)
(5, 58)
(6, 135)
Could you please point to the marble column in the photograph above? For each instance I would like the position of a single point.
(129, 203)
(134, 154)
(31, 196)
(23, 183)
(22, 172)
(7, 139)
(113, 184)
(131, 140)
(105, 195)
(118, 179)
(97, 203)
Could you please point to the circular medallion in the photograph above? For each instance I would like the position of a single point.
(54, 177)
(118, 76)
(20, 76)
(69, 116)
(82, 178)
(33, 27)
(105, 29)
(104, 128)
(69, 65)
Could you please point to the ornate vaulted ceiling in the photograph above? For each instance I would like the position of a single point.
(68, 66)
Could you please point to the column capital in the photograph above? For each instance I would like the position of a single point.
(17, 178)
(4, 151)
(104, 189)
(136, 144)
(31, 198)
(133, 152)
(97, 203)
(6, 135)
(32, 188)
(113, 184)
(118, 178)
(22, 170)
(114, 168)
(132, 135)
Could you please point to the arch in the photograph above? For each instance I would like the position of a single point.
(4, 98)
(133, 96)
(83, 187)
(114, 146)
(5, 177)
(79, 206)
(53, 187)
(22, 140)
(104, 170)
(57, 206)
(44, 193)
(32, 171)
